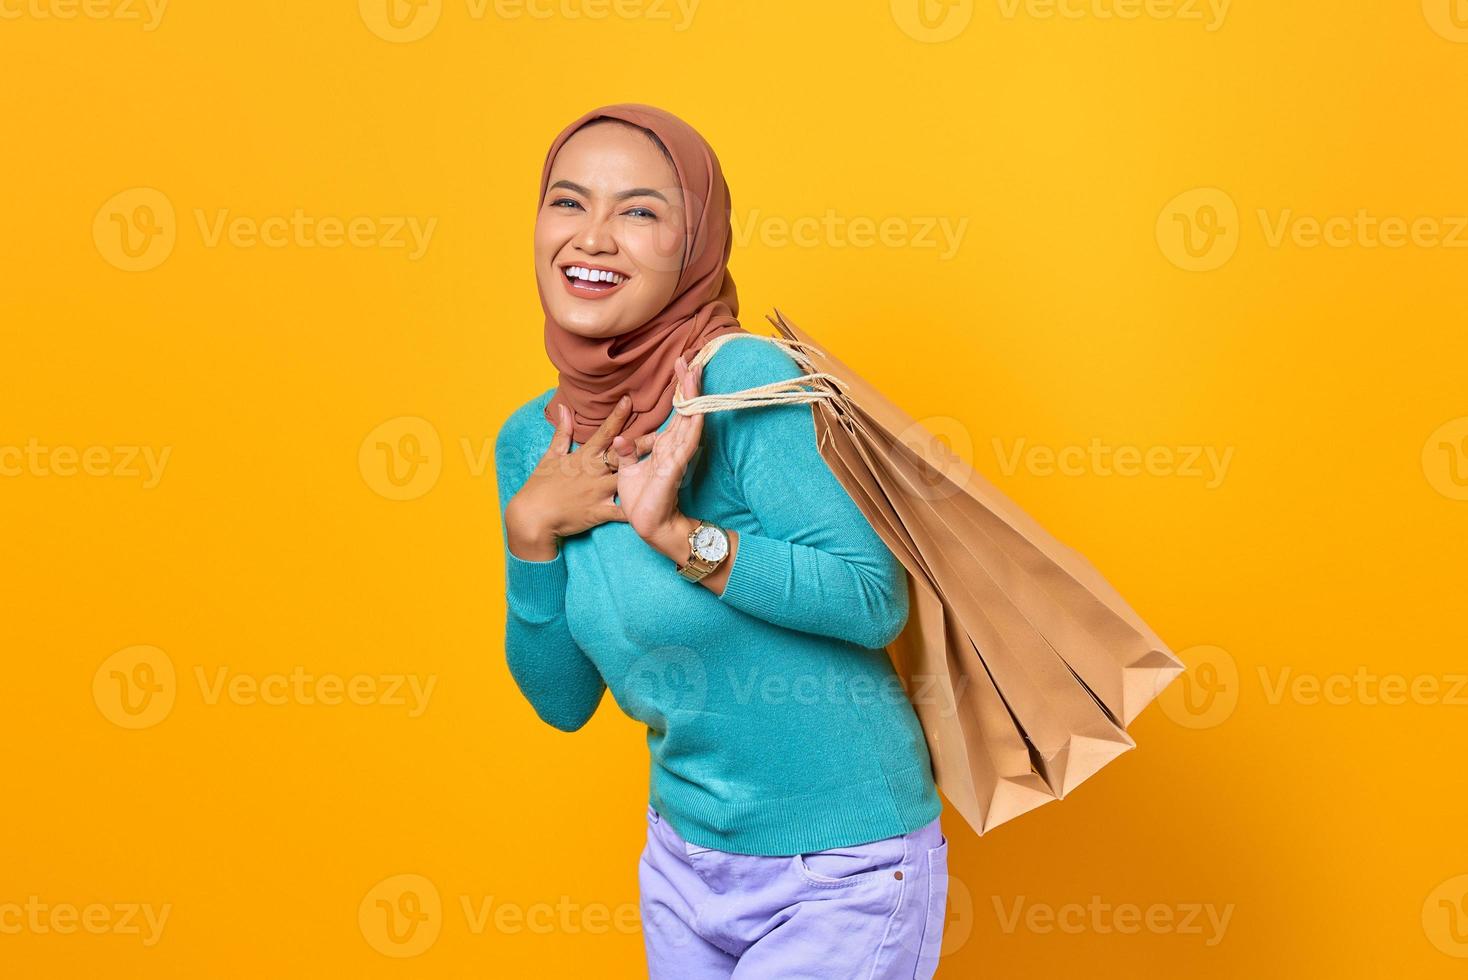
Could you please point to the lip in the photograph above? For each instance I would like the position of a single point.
(580, 291)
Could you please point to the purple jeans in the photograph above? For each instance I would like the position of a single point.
(868, 912)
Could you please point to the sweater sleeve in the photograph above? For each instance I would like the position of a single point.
(551, 670)
(816, 565)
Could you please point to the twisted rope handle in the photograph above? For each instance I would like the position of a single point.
(788, 392)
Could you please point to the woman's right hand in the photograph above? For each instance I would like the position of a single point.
(567, 492)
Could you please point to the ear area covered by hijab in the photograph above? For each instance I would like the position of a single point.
(594, 372)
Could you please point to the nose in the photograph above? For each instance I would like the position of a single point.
(596, 236)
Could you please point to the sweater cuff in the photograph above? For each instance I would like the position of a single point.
(759, 579)
(536, 590)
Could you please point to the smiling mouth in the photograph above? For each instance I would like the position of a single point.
(584, 280)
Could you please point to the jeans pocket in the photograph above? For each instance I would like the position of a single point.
(931, 946)
(838, 867)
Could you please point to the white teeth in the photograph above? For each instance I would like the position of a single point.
(595, 275)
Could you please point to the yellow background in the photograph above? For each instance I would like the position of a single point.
(1077, 149)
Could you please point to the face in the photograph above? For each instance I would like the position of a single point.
(610, 232)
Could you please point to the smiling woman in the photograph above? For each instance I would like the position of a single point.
(760, 802)
(615, 199)
(608, 237)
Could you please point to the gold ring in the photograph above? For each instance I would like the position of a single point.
(605, 462)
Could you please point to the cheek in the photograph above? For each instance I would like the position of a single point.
(548, 240)
(658, 253)
(655, 248)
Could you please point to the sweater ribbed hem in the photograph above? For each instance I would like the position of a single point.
(536, 590)
(759, 579)
(857, 813)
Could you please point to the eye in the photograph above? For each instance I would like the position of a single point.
(641, 212)
(565, 202)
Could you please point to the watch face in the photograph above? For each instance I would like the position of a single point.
(711, 543)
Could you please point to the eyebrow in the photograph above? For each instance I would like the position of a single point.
(620, 195)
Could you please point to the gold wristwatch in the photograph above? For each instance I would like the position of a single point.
(708, 546)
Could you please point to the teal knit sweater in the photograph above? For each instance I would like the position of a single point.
(775, 720)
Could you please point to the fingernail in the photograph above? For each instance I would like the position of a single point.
(623, 401)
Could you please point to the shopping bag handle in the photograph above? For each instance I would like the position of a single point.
(788, 392)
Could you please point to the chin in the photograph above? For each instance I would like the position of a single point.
(590, 323)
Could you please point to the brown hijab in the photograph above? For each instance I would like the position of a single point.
(596, 372)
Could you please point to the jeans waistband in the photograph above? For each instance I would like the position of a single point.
(923, 838)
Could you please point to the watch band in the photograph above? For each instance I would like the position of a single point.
(696, 567)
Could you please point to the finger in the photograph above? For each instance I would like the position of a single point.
(610, 426)
(561, 441)
(609, 512)
(686, 442)
(691, 379)
(680, 369)
(624, 450)
(631, 451)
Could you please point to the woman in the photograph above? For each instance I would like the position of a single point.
(719, 580)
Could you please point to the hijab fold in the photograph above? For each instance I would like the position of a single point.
(594, 372)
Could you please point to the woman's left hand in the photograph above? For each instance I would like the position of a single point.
(648, 485)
